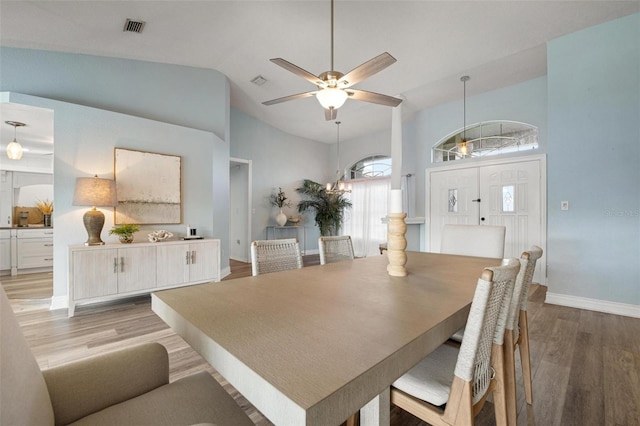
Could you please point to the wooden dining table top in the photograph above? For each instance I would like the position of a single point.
(313, 345)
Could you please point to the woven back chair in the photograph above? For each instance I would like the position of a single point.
(275, 255)
(517, 331)
(335, 249)
(473, 240)
(476, 366)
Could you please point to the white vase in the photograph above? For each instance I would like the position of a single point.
(281, 218)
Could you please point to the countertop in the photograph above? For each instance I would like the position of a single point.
(33, 226)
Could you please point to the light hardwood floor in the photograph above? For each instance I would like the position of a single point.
(586, 365)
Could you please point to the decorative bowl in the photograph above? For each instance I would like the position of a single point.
(294, 219)
(159, 235)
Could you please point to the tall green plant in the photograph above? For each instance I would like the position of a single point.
(329, 207)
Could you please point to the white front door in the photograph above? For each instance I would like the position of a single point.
(509, 193)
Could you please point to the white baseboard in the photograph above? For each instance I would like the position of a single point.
(314, 251)
(59, 302)
(605, 306)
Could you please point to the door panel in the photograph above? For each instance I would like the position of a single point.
(511, 195)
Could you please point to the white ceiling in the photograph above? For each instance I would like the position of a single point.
(497, 43)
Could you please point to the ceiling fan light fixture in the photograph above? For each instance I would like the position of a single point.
(332, 97)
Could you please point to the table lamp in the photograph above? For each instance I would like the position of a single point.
(94, 192)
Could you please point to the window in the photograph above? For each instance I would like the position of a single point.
(484, 139)
(374, 166)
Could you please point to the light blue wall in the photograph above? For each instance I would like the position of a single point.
(594, 162)
(279, 160)
(186, 96)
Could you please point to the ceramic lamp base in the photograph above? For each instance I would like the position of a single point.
(396, 245)
(93, 223)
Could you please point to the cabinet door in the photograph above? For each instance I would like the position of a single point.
(204, 261)
(172, 264)
(95, 273)
(5, 253)
(136, 269)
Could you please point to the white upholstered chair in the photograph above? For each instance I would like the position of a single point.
(125, 387)
(335, 249)
(462, 378)
(275, 255)
(517, 332)
(473, 240)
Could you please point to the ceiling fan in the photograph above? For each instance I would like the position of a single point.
(334, 87)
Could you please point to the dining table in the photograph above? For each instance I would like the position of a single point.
(312, 346)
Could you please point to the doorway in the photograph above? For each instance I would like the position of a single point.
(508, 192)
(240, 209)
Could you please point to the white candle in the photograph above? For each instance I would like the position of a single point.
(395, 204)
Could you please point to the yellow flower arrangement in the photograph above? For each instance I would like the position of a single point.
(45, 207)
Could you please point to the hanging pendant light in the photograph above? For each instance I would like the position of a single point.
(14, 149)
(338, 187)
(464, 147)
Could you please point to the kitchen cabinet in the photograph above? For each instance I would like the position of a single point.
(34, 248)
(5, 249)
(112, 271)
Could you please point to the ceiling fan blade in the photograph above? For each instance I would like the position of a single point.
(375, 98)
(366, 70)
(298, 71)
(290, 98)
(330, 114)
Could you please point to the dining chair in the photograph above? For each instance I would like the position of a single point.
(463, 377)
(473, 240)
(335, 249)
(517, 332)
(275, 255)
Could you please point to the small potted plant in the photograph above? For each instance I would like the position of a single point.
(125, 232)
(280, 200)
(46, 208)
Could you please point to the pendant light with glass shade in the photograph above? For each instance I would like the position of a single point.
(464, 147)
(338, 187)
(14, 149)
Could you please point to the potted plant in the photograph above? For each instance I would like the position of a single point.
(280, 200)
(125, 232)
(329, 206)
(46, 208)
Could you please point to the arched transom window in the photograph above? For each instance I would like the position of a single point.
(484, 139)
(373, 166)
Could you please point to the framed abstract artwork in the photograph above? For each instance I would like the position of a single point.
(148, 187)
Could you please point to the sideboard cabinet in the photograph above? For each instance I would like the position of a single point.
(111, 271)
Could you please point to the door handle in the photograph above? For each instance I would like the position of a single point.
(187, 258)
(482, 219)
(115, 265)
(193, 257)
(476, 200)
(122, 264)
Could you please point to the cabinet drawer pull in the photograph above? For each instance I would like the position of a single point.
(115, 265)
(49, 233)
(48, 258)
(48, 245)
(193, 257)
(122, 264)
(187, 258)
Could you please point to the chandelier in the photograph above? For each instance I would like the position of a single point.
(338, 187)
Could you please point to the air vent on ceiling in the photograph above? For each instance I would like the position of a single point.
(133, 26)
(259, 80)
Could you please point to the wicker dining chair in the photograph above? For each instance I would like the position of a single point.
(275, 255)
(517, 332)
(473, 240)
(477, 366)
(335, 249)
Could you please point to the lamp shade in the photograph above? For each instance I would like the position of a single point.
(332, 97)
(95, 192)
(14, 150)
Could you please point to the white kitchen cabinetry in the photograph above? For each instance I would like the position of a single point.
(98, 273)
(5, 250)
(34, 248)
